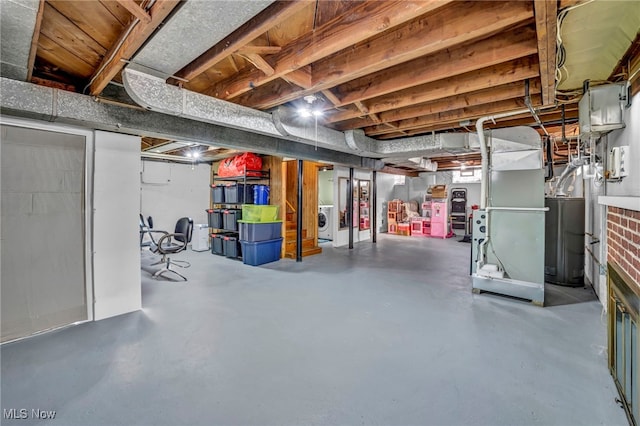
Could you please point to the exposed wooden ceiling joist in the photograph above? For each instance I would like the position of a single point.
(512, 71)
(128, 44)
(362, 22)
(447, 27)
(277, 12)
(546, 21)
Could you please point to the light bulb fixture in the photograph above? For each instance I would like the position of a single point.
(304, 112)
(463, 166)
(196, 154)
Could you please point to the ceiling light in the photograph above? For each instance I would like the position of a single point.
(318, 113)
(463, 166)
(304, 112)
(195, 154)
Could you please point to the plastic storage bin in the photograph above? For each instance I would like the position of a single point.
(232, 246)
(259, 231)
(234, 193)
(230, 219)
(261, 194)
(217, 244)
(261, 252)
(215, 218)
(260, 213)
(217, 193)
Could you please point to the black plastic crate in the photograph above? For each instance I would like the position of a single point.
(232, 247)
(230, 219)
(217, 193)
(238, 193)
(215, 218)
(217, 244)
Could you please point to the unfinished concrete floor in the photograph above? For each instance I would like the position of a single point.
(385, 334)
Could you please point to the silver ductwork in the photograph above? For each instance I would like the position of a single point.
(31, 101)
(154, 94)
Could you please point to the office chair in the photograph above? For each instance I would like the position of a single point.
(171, 244)
(145, 228)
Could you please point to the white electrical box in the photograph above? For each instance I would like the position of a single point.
(601, 108)
(619, 162)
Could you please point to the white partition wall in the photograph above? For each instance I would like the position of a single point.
(116, 244)
(171, 191)
(43, 273)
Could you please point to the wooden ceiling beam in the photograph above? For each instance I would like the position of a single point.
(128, 44)
(260, 63)
(34, 41)
(498, 49)
(546, 20)
(330, 96)
(397, 171)
(485, 96)
(260, 50)
(418, 38)
(300, 77)
(508, 72)
(274, 14)
(362, 22)
(467, 113)
(135, 10)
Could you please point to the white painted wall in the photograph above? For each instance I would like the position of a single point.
(116, 244)
(185, 192)
(325, 187)
(630, 136)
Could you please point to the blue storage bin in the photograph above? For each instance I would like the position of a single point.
(261, 194)
(238, 193)
(259, 231)
(261, 252)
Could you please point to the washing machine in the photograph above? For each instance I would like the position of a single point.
(325, 222)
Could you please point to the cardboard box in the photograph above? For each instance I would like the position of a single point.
(439, 191)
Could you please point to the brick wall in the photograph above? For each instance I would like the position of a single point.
(623, 240)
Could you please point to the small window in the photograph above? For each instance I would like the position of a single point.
(467, 176)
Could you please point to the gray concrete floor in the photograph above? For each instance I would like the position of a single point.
(385, 334)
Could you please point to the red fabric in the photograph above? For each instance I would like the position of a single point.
(247, 163)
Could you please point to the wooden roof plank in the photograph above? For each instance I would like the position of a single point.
(91, 18)
(64, 32)
(55, 54)
(263, 21)
(120, 13)
(507, 72)
(364, 21)
(546, 21)
(128, 44)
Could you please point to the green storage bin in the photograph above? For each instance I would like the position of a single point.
(260, 213)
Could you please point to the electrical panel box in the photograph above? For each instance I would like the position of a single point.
(601, 108)
(618, 165)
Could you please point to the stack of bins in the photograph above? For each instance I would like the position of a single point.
(260, 234)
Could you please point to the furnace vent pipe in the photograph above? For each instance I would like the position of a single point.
(484, 151)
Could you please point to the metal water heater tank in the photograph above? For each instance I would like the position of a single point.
(564, 241)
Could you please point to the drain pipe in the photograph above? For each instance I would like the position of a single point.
(485, 174)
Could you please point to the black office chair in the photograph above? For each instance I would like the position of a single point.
(171, 244)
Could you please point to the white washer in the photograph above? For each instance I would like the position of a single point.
(325, 222)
